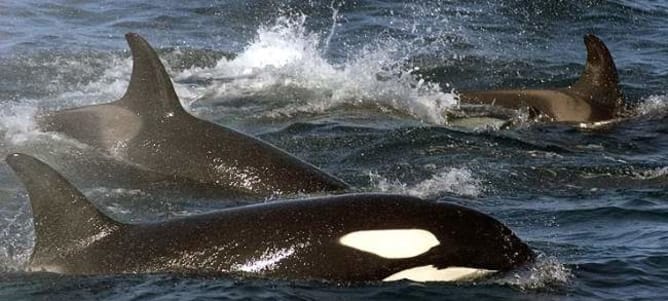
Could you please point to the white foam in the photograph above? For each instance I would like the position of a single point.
(18, 124)
(285, 59)
(651, 173)
(459, 181)
(546, 271)
(276, 46)
(284, 66)
(16, 233)
(653, 104)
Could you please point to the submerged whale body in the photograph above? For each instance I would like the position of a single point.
(596, 96)
(346, 238)
(149, 128)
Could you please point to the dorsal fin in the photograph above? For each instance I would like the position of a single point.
(150, 91)
(599, 79)
(65, 221)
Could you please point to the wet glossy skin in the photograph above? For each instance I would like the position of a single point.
(291, 239)
(596, 96)
(148, 127)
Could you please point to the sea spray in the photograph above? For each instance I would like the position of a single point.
(16, 234)
(285, 61)
(654, 104)
(458, 181)
(17, 124)
(545, 272)
(283, 71)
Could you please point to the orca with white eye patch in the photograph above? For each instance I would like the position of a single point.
(343, 238)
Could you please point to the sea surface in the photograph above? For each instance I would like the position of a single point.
(363, 89)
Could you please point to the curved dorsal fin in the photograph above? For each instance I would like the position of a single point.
(599, 78)
(64, 219)
(150, 91)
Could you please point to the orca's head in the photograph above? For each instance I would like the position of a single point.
(469, 238)
(441, 242)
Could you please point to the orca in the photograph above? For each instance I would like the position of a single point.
(149, 128)
(595, 96)
(343, 238)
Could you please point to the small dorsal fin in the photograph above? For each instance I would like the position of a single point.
(150, 91)
(599, 78)
(65, 221)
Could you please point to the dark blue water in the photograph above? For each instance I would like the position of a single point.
(361, 88)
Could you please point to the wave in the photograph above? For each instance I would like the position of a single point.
(458, 181)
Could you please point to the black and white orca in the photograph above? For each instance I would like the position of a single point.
(344, 238)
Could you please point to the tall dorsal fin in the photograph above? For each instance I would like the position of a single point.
(65, 221)
(150, 90)
(599, 78)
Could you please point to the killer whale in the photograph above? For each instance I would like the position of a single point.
(342, 238)
(595, 96)
(148, 127)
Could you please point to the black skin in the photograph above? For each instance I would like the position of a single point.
(73, 237)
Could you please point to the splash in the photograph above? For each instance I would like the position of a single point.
(651, 173)
(284, 67)
(283, 43)
(282, 71)
(332, 30)
(653, 104)
(545, 272)
(17, 123)
(16, 234)
(459, 181)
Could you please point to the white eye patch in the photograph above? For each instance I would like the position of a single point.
(391, 243)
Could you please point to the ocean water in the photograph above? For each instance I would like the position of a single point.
(362, 89)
